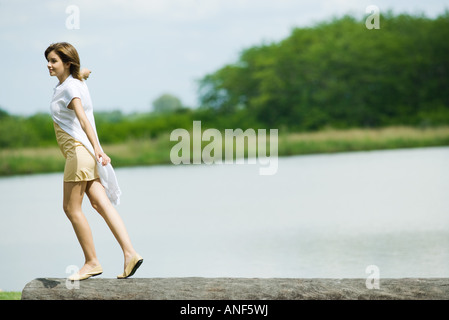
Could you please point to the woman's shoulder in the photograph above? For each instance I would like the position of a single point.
(70, 88)
(74, 84)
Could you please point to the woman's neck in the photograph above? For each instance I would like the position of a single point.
(63, 77)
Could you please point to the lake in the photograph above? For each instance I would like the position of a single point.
(319, 216)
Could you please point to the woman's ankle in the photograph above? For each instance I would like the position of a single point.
(92, 262)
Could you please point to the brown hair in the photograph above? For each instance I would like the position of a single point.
(67, 53)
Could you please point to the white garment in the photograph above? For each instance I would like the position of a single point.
(68, 121)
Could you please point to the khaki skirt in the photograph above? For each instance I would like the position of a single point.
(80, 164)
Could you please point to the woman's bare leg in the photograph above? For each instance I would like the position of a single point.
(73, 198)
(101, 203)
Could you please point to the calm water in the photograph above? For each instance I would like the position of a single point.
(319, 216)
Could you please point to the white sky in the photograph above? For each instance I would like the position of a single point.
(138, 50)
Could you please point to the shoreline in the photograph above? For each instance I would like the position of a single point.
(26, 161)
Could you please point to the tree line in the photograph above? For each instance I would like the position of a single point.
(336, 74)
(113, 127)
(340, 74)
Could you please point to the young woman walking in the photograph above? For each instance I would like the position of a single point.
(87, 169)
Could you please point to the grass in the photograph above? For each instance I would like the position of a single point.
(331, 140)
(10, 295)
(157, 151)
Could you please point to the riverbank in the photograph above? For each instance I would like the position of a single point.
(10, 295)
(157, 150)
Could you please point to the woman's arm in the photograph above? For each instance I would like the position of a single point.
(76, 106)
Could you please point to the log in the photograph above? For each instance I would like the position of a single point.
(196, 288)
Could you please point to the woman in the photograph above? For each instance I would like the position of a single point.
(74, 124)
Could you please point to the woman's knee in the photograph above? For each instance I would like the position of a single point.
(96, 205)
(71, 211)
(99, 206)
(66, 208)
(97, 197)
(73, 198)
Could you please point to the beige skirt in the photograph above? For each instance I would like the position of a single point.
(80, 164)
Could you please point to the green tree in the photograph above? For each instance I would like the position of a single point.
(3, 114)
(338, 73)
(166, 103)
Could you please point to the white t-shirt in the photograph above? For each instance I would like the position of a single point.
(66, 118)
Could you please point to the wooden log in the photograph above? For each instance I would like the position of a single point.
(195, 288)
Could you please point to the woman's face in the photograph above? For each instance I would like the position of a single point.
(56, 66)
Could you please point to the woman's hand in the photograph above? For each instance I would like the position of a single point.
(85, 73)
(102, 158)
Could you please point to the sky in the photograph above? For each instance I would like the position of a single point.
(138, 50)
